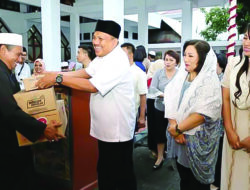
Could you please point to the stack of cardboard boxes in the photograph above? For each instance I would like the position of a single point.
(42, 105)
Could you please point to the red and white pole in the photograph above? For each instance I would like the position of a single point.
(232, 29)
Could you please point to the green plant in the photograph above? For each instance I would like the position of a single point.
(243, 12)
(216, 21)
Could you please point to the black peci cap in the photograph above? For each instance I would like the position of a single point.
(108, 26)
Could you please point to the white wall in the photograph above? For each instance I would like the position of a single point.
(87, 28)
(131, 30)
(14, 20)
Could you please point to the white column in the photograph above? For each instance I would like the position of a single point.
(51, 34)
(74, 34)
(25, 35)
(114, 10)
(142, 24)
(187, 13)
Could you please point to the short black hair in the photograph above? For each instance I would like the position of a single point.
(222, 61)
(89, 49)
(202, 48)
(24, 49)
(140, 53)
(129, 46)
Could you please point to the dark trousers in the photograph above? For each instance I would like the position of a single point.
(152, 145)
(115, 166)
(161, 124)
(188, 181)
(17, 171)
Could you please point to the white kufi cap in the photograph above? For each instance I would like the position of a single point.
(64, 64)
(152, 53)
(11, 39)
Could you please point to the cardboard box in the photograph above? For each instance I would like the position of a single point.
(45, 117)
(30, 83)
(36, 101)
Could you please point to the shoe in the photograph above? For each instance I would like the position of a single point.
(156, 167)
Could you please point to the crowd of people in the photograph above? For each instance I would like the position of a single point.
(186, 108)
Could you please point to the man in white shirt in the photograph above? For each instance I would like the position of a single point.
(22, 69)
(140, 85)
(85, 55)
(109, 78)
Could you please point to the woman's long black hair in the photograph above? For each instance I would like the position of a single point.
(244, 68)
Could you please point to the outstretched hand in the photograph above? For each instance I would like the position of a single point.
(47, 81)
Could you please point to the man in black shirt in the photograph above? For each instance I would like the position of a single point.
(15, 161)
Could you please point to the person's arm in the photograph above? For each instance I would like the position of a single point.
(79, 84)
(192, 121)
(154, 85)
(79, 73)
(232, 136)
(142, 89)
(172, 122)
(180, 138)
(141, 120)
(245, 144)
(51, 131)
(71, 81)
(15, 118)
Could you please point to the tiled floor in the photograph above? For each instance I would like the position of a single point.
(166, 178)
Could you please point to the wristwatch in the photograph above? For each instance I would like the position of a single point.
(178, 131)
(59, 78)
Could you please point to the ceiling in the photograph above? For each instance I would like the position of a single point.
(94, 8)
